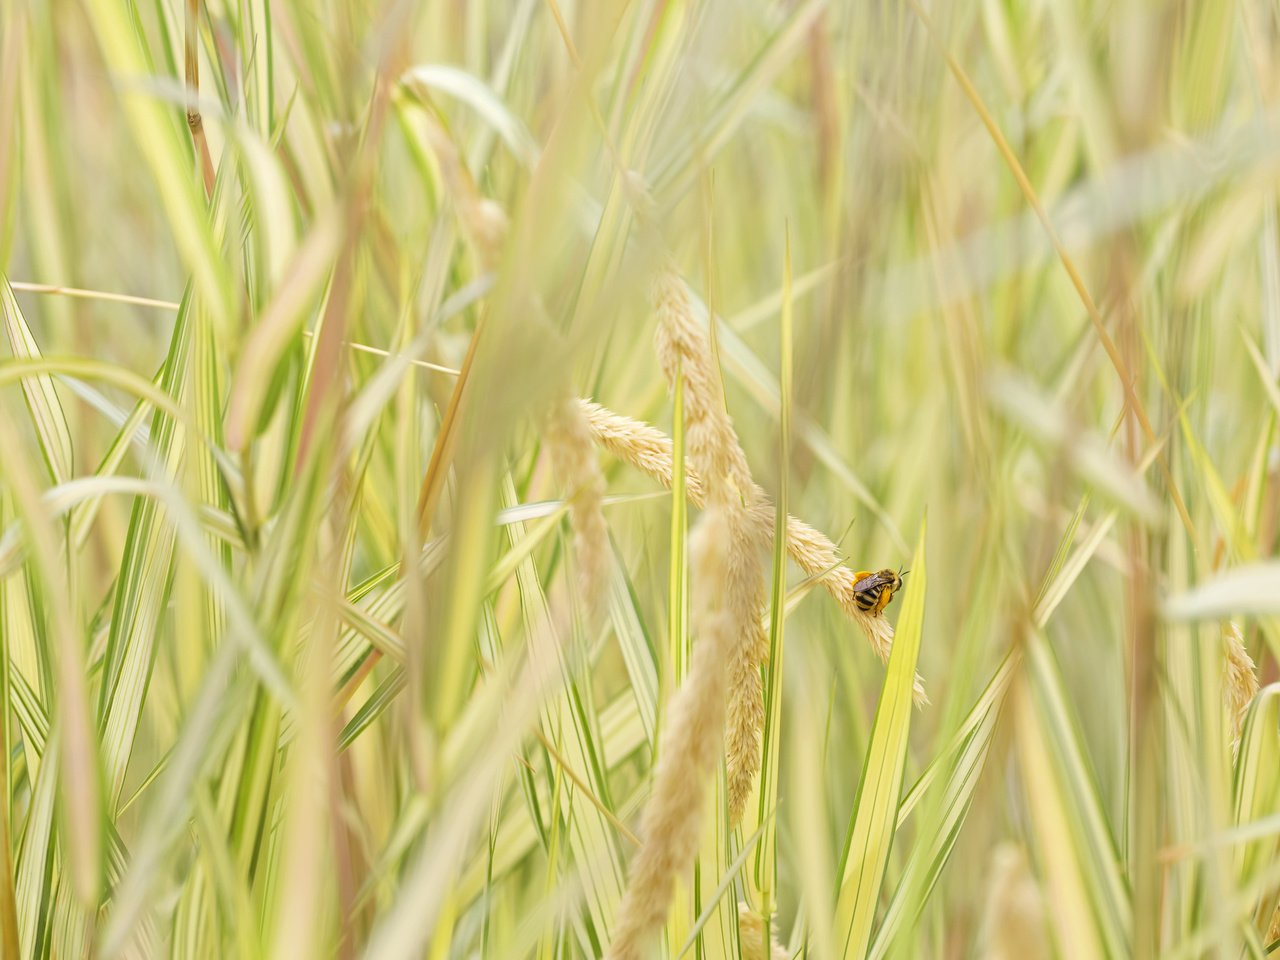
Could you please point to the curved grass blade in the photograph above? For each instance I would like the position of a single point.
(1251, 589)
(42, 399)
(1257, 793)
(937, 838)
(875, 815)
(142, 588)
(1092, 911)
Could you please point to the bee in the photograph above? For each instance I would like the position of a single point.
(873, 591)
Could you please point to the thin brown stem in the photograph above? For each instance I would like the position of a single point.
(194, 121)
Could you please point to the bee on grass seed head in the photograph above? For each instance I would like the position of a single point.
(873, 591)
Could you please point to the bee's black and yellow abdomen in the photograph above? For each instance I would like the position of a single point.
(873, 591)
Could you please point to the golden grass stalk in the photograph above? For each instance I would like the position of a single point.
(573, 455)
(1240, 678)
(1013, 924)
(751, 937)
(685, 355)
(649, 451)
(688, 751)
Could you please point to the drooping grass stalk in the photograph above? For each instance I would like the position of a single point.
(574, 456)
(649, 451)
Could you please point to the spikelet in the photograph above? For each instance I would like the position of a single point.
(1240, 680)
(688, 751)
(751, 937)
(646, 448)
(745, 721)
(684, 353)
(574, 455)
(649, 451)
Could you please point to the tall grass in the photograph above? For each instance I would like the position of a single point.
(439, 439)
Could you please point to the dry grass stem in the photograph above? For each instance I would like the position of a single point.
(688, 750)
(649, 451)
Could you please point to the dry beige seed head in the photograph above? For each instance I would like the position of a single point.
(1240, 679)
(574, 454)
(649, 451)
(745, 723)
(646, 448)
(689, 749)
(685, 355)
(751, 937)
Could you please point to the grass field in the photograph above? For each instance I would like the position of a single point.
(441, 444)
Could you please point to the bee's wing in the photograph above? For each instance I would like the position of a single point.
(872, 582)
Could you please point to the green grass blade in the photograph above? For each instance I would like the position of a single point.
(936, 839)
(42, 399)
(1257, 793)
(1074, 836)
(875, 814)
(142, 589)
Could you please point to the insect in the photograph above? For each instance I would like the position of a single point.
(873, 591)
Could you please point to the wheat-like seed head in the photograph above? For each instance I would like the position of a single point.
(649, 451)
(714, 450)
(574, 454)
(1240, 680)
(752, 940)
(690, 748)
(685, 352)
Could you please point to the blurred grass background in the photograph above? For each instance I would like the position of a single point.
(257, 702)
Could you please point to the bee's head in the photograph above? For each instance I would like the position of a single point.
(897, 578)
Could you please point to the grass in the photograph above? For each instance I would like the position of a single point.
(331, 625)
